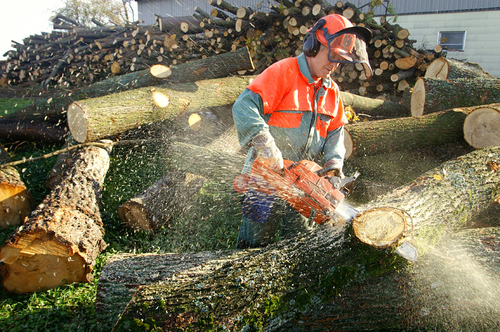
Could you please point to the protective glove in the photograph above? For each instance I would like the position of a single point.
(267, 151)
(336, 166)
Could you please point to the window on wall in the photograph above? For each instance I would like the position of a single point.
(452, 40)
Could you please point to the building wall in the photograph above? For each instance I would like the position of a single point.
(482, 43)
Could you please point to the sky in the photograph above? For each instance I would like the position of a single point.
(23, 18)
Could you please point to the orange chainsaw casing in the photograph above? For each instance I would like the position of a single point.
(298, 184)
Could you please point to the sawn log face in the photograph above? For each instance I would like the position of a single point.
(61, 240)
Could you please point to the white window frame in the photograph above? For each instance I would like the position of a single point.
(452, 47)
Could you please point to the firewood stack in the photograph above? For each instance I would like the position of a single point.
(72, 55)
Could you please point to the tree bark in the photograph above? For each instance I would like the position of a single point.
(117, 283)
(434, 95)
(153, 207)
(95, 118)
(383, 136)
(451, 69)
(285, 284)
(32, 130)
(15, 199)
(54, 109)
(374, 107)
(62, 238)
(482, 126)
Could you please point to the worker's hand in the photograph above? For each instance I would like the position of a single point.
(336, 168)
(267, 151)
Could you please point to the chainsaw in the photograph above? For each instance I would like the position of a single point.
(304, 185)
(310, 190)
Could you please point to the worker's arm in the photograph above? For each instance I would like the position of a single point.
(334, 149)
(247, 115)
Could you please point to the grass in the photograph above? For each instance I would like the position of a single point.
(210, 224)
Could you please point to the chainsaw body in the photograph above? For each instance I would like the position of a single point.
(301, 184)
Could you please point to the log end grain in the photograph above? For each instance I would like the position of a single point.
(160, 71)
(15, 204)
(418, 98)
(77, 122)
(482, 127)
(438, 69)
(136, 216)
(25, 273)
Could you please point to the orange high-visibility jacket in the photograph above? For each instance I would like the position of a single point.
(306, 119)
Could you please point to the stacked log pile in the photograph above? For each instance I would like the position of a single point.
(79, 56)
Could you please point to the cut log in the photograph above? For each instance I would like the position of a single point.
(374, 107)
(482, 126)
(434, 95)
(55, 109)
(153, 207)
(451, 69)
(117, 284)
(95, 118)
(62, 238)
(384, 136)
(282, 285)
(32, 130)
(15, 199)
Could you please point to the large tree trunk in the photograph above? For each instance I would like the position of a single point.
(282, 285)
(15, 199)
(451, 69)
(374, 107)
(431, 95)
(62, 238)
(54, 109)
(153, 207)
(383, 136)
(96, 118)
(482, 126)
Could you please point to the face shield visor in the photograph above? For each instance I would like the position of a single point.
(349, 46)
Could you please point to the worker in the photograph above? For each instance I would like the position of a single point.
(293, 110)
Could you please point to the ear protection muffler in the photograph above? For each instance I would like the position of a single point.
(311, 44)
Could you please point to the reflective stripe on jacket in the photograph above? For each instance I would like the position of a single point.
(305, 119)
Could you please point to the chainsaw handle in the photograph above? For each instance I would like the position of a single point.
(324, 171)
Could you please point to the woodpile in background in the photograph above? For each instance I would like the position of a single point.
(74, 56)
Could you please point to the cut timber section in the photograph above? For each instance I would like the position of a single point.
(157, 204)
(434, 95)
(15, 198)
(444, 68)
(61, 240)
(96, 118)
(482, 126)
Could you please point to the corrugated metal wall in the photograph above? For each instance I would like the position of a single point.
(148, 8)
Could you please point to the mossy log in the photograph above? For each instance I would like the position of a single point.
(153, 207)
(15, 199)
(384, 136)
(374, 107)
(285, 284)
(54, 109)
(117, 283)
(482, 126)
(431, 95)
(451, 69)
(92, 119)
(63, 236)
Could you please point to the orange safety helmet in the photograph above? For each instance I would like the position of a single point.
(340, 37)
